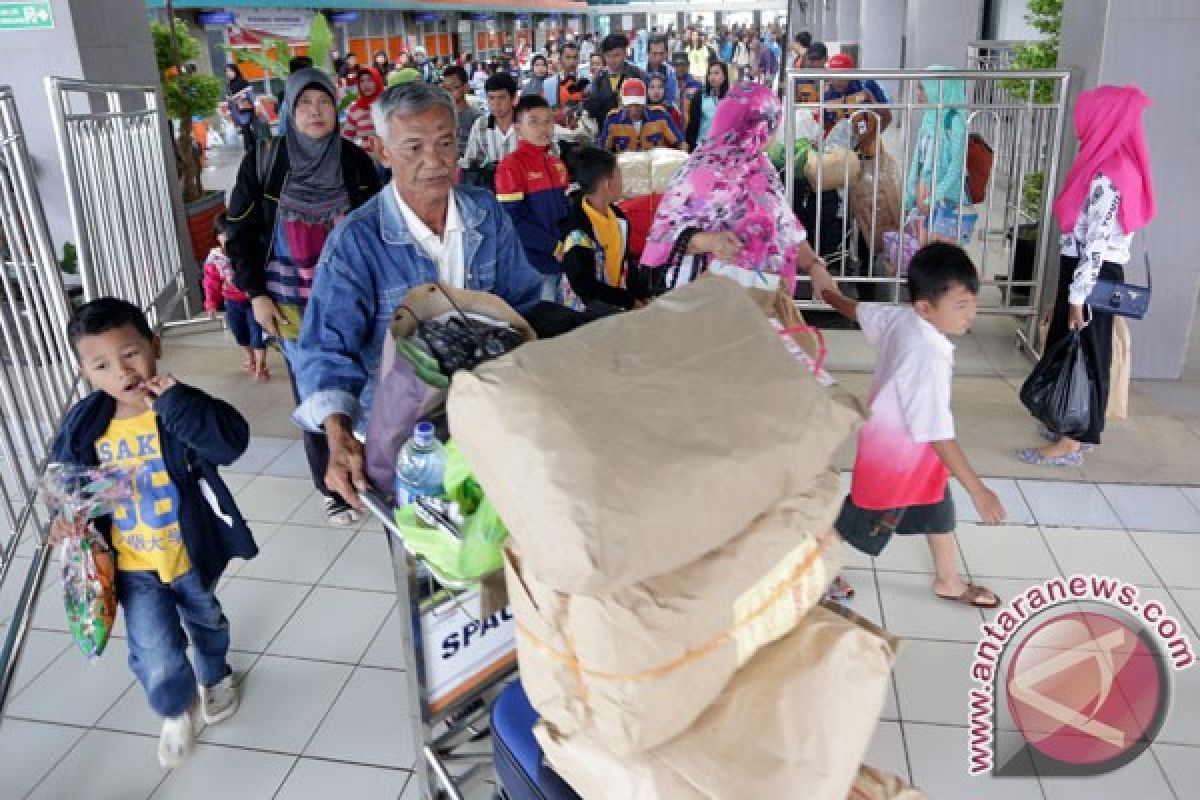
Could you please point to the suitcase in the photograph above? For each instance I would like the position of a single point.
(521, 772)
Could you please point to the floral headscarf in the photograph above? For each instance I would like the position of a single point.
(729, 185)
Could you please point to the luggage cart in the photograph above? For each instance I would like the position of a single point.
(456, 660)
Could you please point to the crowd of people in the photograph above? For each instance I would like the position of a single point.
(332, 223)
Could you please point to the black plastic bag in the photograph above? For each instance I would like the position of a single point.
(1061, 392)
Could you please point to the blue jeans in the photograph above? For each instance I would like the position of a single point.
(242, 324)
(157, 644)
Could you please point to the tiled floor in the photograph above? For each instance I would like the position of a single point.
(319, 653)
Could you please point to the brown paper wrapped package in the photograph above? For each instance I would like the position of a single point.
(635, 667)
(792, 725)
(875, 784)
(683, 421)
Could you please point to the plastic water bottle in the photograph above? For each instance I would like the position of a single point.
(420, 466)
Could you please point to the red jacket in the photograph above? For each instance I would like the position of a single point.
(531, 183)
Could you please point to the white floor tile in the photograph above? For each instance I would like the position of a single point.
(1141, 778)
(315, 779)
(1099, 552)
(73, 691)
(1182, 725)
(1153, 508)
(887, 752)
(1174, 556)
(1069, 505)
(291, 463)
(1017, 509)
(283, 702)
(933, 681)
(908, 554)
(910, 609)
(10, 590)
(296, 553)
(107, 766)
(258, 609)
(312, 513)
(333, 625)
(1193, 495)
(1182, 766)
(1189, 602)
(271, 499)
(29, 749)
(40, 651)
(1006, 551)
(236, 481)
(365, 564)
(855, 559)
(369, 724)
(216, 771)
(261, 452)
(866, 597)
(387, 648)
(938, 755)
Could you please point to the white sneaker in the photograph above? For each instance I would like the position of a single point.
(218, 702)
(176, 740)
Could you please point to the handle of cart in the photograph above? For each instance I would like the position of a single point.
(457, 657)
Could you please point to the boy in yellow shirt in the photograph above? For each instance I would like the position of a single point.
(176, 534)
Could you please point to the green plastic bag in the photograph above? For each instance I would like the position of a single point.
(776, 154)
(478, 553)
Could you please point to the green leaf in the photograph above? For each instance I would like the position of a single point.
(320, 41)
(190, 95)
(279, 50)
(254, 56)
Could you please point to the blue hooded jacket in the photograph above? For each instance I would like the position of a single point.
(196, 433)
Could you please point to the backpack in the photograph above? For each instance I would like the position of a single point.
(980, 157)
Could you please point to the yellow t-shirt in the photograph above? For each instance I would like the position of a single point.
(145, 531)
(608, 236)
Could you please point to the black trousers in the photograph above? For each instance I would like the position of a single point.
(316, 448)
(248, 138)
(1097, 336)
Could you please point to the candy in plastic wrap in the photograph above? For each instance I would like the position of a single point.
(80, 494)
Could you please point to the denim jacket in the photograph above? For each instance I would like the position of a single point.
(368, 266)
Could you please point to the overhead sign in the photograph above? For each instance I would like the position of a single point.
(251, 26)
(26, 16)
(343, 17)
(215, 17)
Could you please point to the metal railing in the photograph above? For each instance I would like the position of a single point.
(1028, 131)
(40, 377)
(110, 139)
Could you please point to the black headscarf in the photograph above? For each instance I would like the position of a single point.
(237, 82)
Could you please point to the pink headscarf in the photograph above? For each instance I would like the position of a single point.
(1108, 124)
(729, 185)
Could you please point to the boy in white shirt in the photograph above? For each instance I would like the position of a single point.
(907, 449)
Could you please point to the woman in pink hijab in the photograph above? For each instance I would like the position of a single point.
(726, 208)
(1107, 196)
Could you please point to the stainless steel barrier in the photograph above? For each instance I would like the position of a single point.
(40, 377)
(1008, 244)
(110, 139)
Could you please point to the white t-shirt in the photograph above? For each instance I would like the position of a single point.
(446, 250)
(896, 465)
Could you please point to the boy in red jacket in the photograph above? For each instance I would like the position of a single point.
(531, 183)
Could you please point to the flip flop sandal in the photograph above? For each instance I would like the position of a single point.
(1030, 455)
(1047, 435)
(973, 596)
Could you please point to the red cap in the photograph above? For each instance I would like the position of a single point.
(841, 61)
(633, 91)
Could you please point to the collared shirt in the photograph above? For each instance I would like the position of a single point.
(487, 144)
(896, 465)
(446, 250)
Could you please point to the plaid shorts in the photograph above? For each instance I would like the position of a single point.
(869, 531)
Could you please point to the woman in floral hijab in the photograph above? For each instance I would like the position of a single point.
(727, 203)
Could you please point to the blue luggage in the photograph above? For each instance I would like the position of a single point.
(521, 772)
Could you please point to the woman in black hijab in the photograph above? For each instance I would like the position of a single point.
(287, 199)
(240, 96)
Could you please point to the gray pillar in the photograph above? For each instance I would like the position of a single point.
(939, 31)
(882, 34)
(107, 42)
(829, 21)
(1110, 41)
(848, 15)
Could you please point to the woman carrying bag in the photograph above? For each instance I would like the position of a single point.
(1107, 196)
(240, 97)
(289, 195)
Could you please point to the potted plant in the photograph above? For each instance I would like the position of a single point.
(274, 55)
(1045, 16)
(186, 96)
